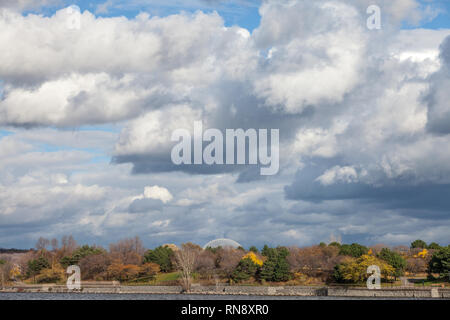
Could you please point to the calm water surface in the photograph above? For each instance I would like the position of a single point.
(94, 296)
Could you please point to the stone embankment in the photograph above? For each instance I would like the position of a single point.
(425, 292)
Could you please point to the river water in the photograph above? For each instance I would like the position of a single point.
(112, 296)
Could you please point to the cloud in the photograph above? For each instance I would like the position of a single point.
(27, 4)
(438, 95)
(362, 117)
(336, 174)
(315, 53)
(159, 193)
(145, 205)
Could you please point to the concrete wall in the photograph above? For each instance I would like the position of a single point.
(259, 290)
(249, 290)
(388, 293)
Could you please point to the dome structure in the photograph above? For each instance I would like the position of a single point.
(222, 243)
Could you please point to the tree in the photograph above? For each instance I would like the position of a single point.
(355, 269)
(147, 271)
(206, 263)
(254, 249)
(418, 244)
(266, 250)
(36, 265)
(51, 274)
(314, 260)
(186, 259)
(434, 246)
(254, 258)
(54, 244)
(416, 265)
(227, 260)
(334, 244)
(354, 250)
(268, 270)
(42, 243)
(215, 249)
(5, 270)
(132, 273)
(123, 272)
(245, 270)
(395, 260)
(95, 266)
(68, 245)
(79, 254)
(276, 267)
(440, 263)
(128, 251)
(162, 256)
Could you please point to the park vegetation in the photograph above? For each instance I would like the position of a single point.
(127, 261)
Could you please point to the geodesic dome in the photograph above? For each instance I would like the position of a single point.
(222, 243)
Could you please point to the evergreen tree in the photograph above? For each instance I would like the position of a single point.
(162, 256)
(245, 270)
(395, 260)
(276, 267)
(418, 244)
(254, 249)
(353, 250)
(440, 263)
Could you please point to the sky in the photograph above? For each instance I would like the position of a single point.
(87, 111)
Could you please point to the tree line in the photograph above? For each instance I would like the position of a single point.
(128, 261)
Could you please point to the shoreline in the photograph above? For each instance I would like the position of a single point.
(287, 291)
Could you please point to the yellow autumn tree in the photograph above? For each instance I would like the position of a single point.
(423, 253)
(355, 270)
(14, 273)
(252, 256)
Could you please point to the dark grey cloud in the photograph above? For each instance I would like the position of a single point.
(403, 194)
(145, 205)
(438, 98)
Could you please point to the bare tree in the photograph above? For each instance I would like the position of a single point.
(313, 260)
(186, 260)
(206, 263)
(54, 244)
(42, 243)
(95, 266)
(138, 246)
(416, 265)
(5, 269)
(68, 245)
(228, 260)
(127, 251)
(376, 248)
